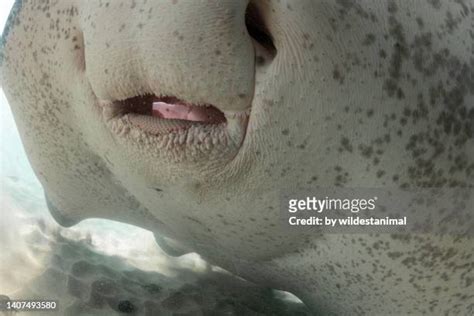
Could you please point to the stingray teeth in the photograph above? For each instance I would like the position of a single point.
(189, 138)
(237, 114)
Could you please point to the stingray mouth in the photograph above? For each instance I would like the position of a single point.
(172, 119)
(159, 115)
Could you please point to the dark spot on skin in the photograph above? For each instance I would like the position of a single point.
(342, 176)
(369, 39)
(392, 7)
(158, 189)
(348, 5)
(346, 145)
(301, 146)
(336, 74)
(259, 60)
(285, 132)
(394, 255)
(435, 4)
(366, 151)
(420, 22)
(380, 173)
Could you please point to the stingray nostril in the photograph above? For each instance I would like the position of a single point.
(258, 30)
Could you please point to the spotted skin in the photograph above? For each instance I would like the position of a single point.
(359, 94)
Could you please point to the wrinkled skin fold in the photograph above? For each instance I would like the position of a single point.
(373, 94)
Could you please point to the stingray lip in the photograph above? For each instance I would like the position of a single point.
(170, 118)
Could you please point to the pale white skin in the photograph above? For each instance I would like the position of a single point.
(342, 79)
